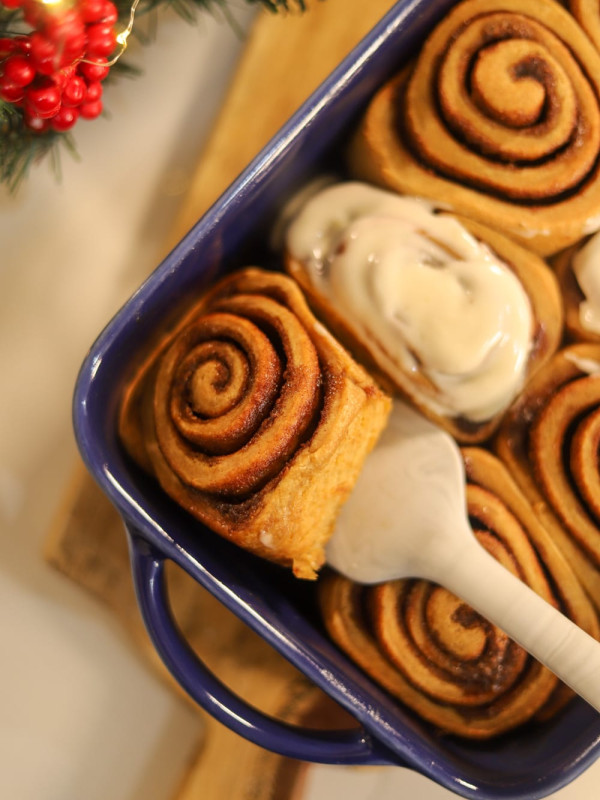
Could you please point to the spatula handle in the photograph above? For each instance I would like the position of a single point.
(548, 635)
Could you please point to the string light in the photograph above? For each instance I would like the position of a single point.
(121, 37)
(124, 35)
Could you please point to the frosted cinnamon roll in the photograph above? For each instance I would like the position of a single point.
(254, 419)
(449, 313)
(578, 272)
(499, 118)
(550, 441)
(438, 656)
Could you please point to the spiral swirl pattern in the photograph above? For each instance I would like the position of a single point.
(551, 442)
(436, 654)
(500, 118)
(510, 93)
(249, 410)
(220, 383)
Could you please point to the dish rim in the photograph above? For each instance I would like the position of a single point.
(353, 78)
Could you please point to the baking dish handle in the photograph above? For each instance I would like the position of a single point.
(352, 746)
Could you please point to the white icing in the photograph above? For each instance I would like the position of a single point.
(587, 365)
(421, 292)
(592, 225)
(266, 539)
(293, 206)
(416, 474)
(586, 268)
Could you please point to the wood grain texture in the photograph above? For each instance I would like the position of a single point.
(285, 58)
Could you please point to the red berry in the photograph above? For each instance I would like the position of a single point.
(64, 119)
(102, 40)
(94, 92)
(61, 26)
(23, 44)
(36, 123)
(19, 70)
(95, 70)
(11, 92)
(74, 48)
(109, 14)
(74, 92)
(91, 10)
(63, 76)
(34, 13)
(43, 54)
(7, 46)
(91, 110)
(11, 3)
(43, 99)
(68, 34)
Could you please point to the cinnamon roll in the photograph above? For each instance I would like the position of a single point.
(578, 272)
(587, 14)
(438, 656)
(254, 419)
(449, 313)
(499, 119)
(550, 441)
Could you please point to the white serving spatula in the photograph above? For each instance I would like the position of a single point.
(407, 517)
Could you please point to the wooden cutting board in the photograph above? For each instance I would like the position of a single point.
(285, 57)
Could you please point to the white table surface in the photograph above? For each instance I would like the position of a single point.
(81, 717)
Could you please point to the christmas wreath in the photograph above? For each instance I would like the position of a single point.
(55, 56)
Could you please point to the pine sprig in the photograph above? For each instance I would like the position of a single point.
(189, 9)
(22, 148)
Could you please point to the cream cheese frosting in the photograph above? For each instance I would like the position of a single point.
(420, 291)
(586, 267)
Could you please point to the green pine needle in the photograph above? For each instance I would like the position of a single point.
(21, 148)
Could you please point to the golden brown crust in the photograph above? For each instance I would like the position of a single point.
(437, 655)
(254, 419)
(587, 14)
(550, 441)
(499, 119)
(541, 287)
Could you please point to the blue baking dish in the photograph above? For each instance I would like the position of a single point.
(527, 764)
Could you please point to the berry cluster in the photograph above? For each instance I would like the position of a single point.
(54, 73)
